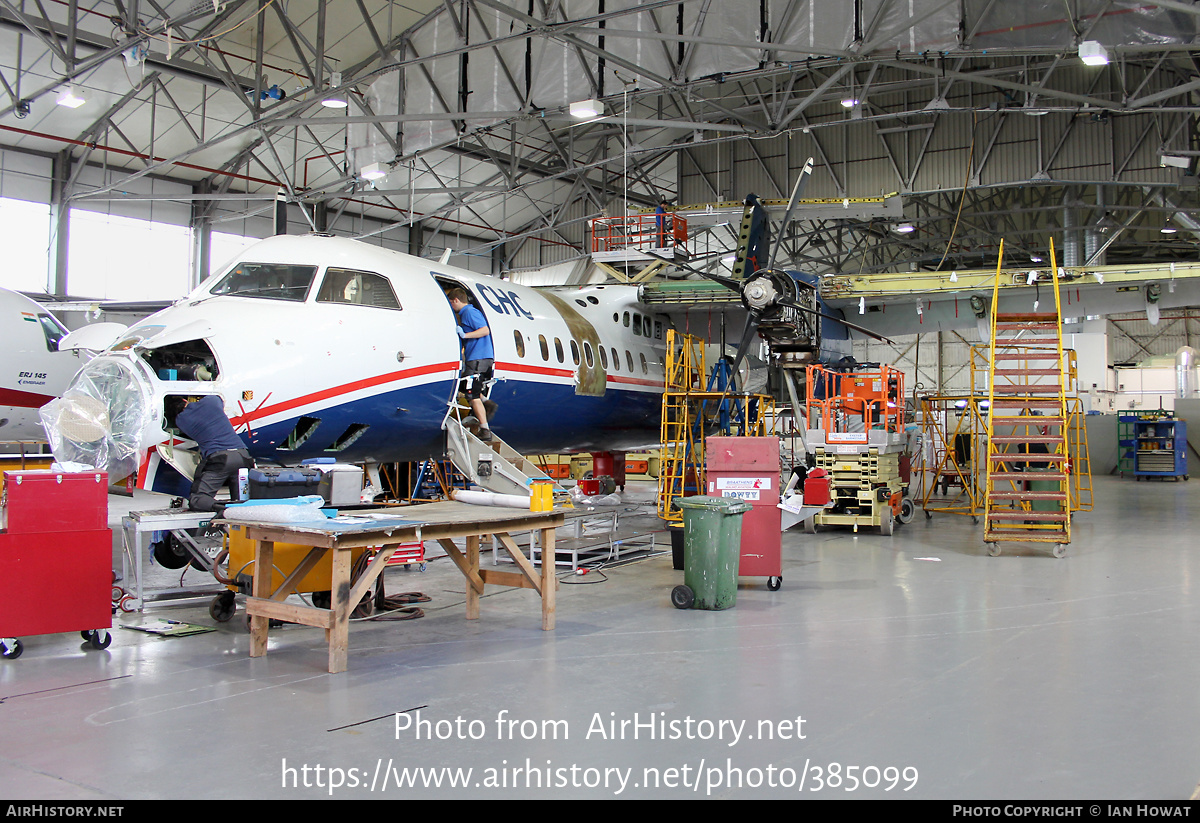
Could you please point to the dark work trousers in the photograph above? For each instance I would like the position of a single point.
(215, 471)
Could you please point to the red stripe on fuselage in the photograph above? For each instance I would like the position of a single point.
(336, 391)
(521, 367)
(24, 399)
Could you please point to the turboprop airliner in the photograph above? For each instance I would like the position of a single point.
(322, 346)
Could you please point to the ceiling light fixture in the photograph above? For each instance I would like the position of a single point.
(1168, 229)
(586, 109)
(1092, 53)
(905, 228)
(375, 171)
(338, 100)
(70, 98)
(849, 102)
(1175, 160)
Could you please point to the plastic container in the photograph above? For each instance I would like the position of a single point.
(712, 538)
(816, 488)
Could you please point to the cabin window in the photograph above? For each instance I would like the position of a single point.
(587, 354)
(603, 358)
(645, 368)
(575, 352)
(558, 350)
(520, 341)
(544, 346)
(616, 360)
(629, 360)
(274, 281)
(357, 288)
(637, 323)
(626, 319)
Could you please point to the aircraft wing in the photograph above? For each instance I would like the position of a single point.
(920, 302)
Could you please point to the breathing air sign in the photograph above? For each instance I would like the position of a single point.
(741, 488)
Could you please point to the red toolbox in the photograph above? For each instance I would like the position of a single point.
(55, 557)
(747, 468)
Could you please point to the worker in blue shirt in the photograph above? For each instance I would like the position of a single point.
(222, 451)
(478, 355)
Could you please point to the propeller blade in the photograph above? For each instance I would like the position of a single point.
(797, 190)
(749, 334)
(845, 323)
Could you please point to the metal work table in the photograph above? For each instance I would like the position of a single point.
(136, 525)
(385, 530)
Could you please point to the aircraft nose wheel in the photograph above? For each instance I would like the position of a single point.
(682, 597)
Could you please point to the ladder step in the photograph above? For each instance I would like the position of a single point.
(1022, 457)
(1033, 343)
(1028, 402)
(1033, 388)
(1021, 372)
(1034, 354)
(1028, 438)
(997, 535)
(1025, 420)
(1017, 477)
(1045, 516)
(1027, 496)
(1027, 317)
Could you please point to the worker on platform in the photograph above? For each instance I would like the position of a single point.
(478, 356)
(222, 451)
(663, 222)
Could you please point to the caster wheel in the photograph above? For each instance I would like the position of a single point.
(682, 597)
(1060, 550)
(322, 600)
(222, 607)
(928, 515)
(12, 650)
(98, 638)
(907, 509)
(975, 519)
(128, 604)
(774, 583)
(993, 549)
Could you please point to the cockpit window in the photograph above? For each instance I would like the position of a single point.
(53, 330)
(275, 281)
(360, 288)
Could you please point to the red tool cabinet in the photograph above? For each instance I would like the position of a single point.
(55, 557)
(747, 468)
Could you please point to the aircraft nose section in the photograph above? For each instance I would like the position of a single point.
(102, 418)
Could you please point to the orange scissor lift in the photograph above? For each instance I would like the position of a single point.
(856, 434)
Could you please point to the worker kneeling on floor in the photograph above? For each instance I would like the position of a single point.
(222, 451)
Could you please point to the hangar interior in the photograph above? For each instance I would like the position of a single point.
(145, 145)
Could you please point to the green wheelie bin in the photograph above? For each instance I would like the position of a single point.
(712, 545)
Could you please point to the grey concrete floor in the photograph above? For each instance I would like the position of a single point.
(920, 667)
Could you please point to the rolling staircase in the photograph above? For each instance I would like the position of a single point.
(1028, 491)
(493, 466)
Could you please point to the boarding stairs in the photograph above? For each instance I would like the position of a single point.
(1027, 497)
(494, 466)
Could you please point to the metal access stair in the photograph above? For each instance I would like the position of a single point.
(493, 466)
(1027, 493)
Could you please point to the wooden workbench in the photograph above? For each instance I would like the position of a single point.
(387, 529)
